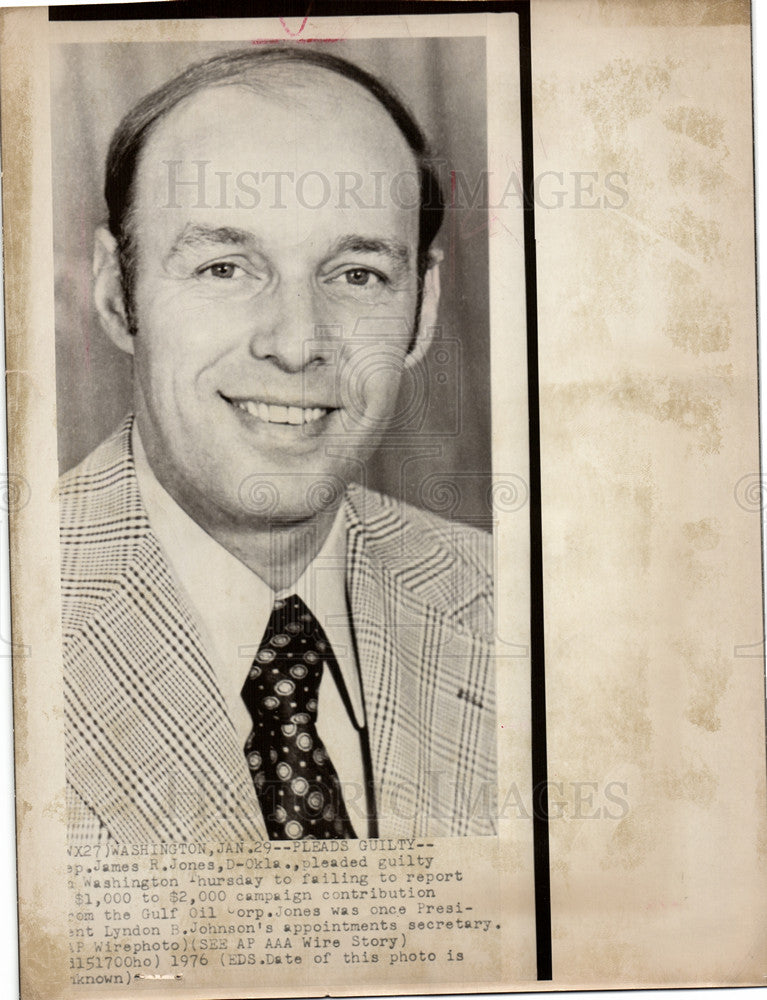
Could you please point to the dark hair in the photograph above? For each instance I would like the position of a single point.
(238, 67)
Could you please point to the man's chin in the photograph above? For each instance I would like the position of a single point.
(290, 497)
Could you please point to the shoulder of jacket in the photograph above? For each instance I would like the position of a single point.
(449, 564)
(101, 520)
(382, 516)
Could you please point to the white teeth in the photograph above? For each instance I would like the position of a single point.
(271, 414)
(278, 414)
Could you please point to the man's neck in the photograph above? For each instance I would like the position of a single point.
(280, 553)
(277, 552)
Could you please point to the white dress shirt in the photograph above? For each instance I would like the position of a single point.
(232, 606)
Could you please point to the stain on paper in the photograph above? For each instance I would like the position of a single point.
(701, 126)
(697, 785)
(635, 836)
(708, 674)
(624, 90)
(691, 173)
(695, 235)
(671, 12)
(698, 323)
(671, 400)
(702, 535)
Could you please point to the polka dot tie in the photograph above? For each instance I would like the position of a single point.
(297, 786)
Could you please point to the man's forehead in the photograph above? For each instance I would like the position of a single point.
(309, 154)
(275, 103)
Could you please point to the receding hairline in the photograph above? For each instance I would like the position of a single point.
(272, 94)
(293, 89)
(256, 69)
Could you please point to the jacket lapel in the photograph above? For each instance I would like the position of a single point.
(428, 695)
(153, 751)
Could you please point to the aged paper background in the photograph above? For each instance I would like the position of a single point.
(650, 487)
(650, 459)
(496, 873)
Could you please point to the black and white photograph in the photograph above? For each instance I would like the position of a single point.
(273, 388)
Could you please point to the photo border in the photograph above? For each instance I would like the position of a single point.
(201, 9)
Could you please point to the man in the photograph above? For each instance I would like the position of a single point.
(254, 645)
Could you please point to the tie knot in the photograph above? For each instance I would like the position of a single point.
(284, 678)
(291, 617)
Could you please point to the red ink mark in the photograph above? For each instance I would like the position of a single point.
(467, 234)
(294, 34)
(453, 224)
(296, 41)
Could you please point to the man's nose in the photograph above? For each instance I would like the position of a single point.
(290, 329)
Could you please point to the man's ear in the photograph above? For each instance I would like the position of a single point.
(427, 319)
(108, 290)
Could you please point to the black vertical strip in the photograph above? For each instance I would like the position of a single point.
(537, 657)
(363, 731)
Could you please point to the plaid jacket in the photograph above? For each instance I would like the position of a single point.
(151, 752)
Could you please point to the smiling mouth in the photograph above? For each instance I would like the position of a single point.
(269, 413)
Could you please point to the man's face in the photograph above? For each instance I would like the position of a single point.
(271, 332)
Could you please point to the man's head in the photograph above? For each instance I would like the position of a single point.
(267, 264)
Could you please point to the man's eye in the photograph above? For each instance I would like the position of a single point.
(360, 276)
(223, 269)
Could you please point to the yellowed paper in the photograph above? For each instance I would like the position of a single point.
(645, 309)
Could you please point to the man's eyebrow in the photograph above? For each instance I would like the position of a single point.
(195, 235)
(398, 252)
